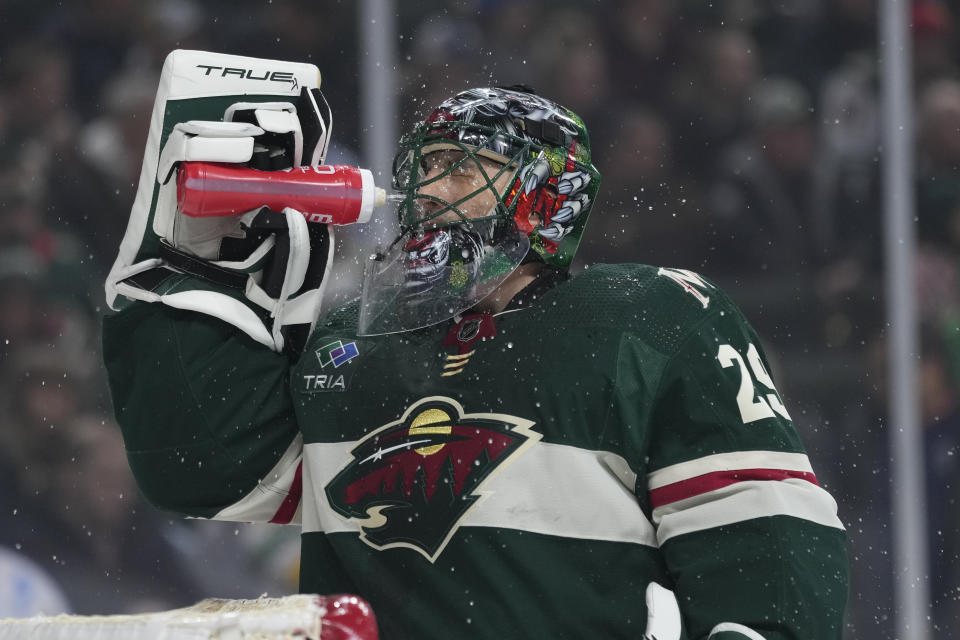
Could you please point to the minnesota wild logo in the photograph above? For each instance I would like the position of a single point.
(412, 482)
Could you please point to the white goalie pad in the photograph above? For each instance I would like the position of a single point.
(202, 86)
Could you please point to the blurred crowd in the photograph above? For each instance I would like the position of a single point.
(740, 139)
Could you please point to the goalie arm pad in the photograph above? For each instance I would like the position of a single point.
(205, 412)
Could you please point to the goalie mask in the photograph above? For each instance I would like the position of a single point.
(494, 177)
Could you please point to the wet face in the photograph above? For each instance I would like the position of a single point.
(458, 177)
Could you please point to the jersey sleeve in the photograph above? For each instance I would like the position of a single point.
(750, 538)
(206, 415)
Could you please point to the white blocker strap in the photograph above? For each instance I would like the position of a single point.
(305, 307)
(137, 268)
(211, 303)
(298, 260)
(320, 123)
(275, 117)
(238, 313)
(284, 310)
(222, 306)
(253, 261)
(207, 141)
(299, 310)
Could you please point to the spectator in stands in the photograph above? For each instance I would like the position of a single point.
(42, 156)
(938, 116)
(111, 148)
(709, 97)
(76, 512)
(567, 56)
(653, 215)
(934, 41)
(845, 179)
(94, 38)
(940, 405)
(641, 39)
(761, 200)
(938, 201)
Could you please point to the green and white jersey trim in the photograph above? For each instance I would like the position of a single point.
(726, 488)
(747, 501)
(735, 461)
(276, 498)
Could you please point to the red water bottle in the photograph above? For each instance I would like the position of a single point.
(329, 194)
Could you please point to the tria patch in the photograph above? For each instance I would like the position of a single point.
(321, 382)
(412, 482)
(337, 353)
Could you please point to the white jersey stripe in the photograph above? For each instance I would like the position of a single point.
(728, 462)
(565, 491)
(261, 504)
(321, 462)
(746, 501)
(551, 489)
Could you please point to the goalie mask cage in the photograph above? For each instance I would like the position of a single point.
(340, 617)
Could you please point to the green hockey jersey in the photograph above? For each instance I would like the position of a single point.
(520, 475)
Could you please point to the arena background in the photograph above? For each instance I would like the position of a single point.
(741, 139)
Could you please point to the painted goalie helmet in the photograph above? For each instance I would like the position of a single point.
(492, 178)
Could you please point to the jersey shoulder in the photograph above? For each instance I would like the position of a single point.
(662, 304)
(343, 318)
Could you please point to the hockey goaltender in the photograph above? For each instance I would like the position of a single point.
(480, 445)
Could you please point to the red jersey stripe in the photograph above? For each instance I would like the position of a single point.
(717, 480)
(288, 508)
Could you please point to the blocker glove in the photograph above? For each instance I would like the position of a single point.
(262, 271)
